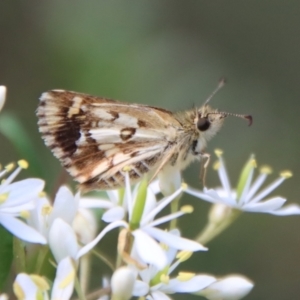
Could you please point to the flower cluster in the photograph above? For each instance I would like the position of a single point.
(149, 249)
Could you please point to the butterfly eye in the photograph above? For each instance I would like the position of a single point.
(203, 124)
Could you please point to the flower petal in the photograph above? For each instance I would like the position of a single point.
(149, 250)
(270, 188)
(37, 218)
(232, 287)
(158, 295)
(62, 240)
(140, 288)
(169, 180)
(85, 225)
(174, 241)
(94, 242)
(63, 285)
(221, 196)
(25, 287)
(154, 186)
(199, 194)
(255, 186)
(2, 95)
(267, 206)
(113, 214)
(21, 230)
(291, 209)
(162, 204)
(122, 283)
(65, 205)
(224, 176)
(193, 285)
(22, 191)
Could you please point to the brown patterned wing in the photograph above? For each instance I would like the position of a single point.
(95, 138)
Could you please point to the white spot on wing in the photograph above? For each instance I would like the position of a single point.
(59, 91)
(106, 135)
(74, 109)
(103, 114)
(105, 147)
(126, 120)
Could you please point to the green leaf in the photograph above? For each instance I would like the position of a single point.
(15, 132)
(6, 254)
(139, 204)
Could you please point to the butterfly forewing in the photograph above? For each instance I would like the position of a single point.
(95, 138)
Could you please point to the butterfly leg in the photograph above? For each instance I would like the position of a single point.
(204, 162)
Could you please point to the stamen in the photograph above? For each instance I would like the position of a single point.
(23, 164)
(185, 276)
(253, 163)
(266, 170)
(216, 165)
(218, 152)
(42, 194)
(184, 186)
(187, 209)
(286, 174)
(9, 167)
(164, 278)
(40, 282)
(3, 197)
(126, 169)
(46, 210)
(25, 214)
(184, 255)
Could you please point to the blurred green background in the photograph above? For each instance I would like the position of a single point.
(171, 54)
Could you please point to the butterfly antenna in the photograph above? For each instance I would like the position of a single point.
(225, 114)
(220, 85)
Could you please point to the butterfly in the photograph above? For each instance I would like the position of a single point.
(97, 139)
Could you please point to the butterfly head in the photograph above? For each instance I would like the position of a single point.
(209, 121)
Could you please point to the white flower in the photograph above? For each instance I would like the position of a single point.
(169, 180)
(66, 207)
(233, 287)
(64, 223)
(115, 206)
(246, 196)
(16, 199)
(142, 209)
(156, 282)
(28, 287)
(85, 225)
(62, 240)
(44, 214)
(63, 285)
(122, 282)
(2, 96)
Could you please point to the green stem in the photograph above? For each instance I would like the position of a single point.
(42, 253)
(212, 230)
(174, 209)
(19, 255)
(84, 272)
(79, 290)
(106, 260)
